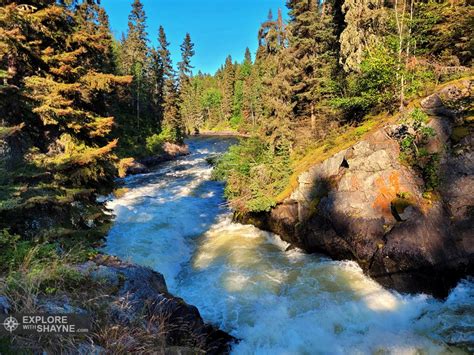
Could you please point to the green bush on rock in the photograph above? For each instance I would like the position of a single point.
(155, 142)
(255, 174)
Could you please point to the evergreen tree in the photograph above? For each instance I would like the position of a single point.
(187, 52)
(271, 35)
(188, 90)
(247, 56)
(61, 89)
(228, 79)
(134, 59)
(310, 58)
(171, 112)
(157, 87)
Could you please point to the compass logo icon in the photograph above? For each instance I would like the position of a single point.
(10, 324)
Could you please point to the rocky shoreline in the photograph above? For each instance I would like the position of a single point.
(130, 306)
(364, 204)
(171, 151)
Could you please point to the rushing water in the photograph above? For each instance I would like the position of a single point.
(175, 221)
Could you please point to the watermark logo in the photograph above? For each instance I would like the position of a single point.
(45, 323)
(10, 324)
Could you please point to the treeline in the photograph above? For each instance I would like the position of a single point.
(330, 66)
(152, 107)
(73, 101)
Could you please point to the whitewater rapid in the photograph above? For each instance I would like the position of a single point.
(244, 280)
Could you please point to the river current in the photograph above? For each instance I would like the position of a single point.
(175, 220)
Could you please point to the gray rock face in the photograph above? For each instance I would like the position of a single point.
(349, 207)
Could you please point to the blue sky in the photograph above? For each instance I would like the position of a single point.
(217, 27)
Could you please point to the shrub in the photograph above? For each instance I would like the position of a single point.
(235, 122)
(255, 172)
(414, 152)
(155, 142)
(373, 87)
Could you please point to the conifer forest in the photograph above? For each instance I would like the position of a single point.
(312, 196)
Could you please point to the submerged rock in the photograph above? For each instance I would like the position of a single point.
(354, 205)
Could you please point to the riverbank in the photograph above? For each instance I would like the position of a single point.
(128, 309)
(405, 217)
(273, 298)
(228, 133)
(132, 166)
(129, 306)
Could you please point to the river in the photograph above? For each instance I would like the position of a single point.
(243, 280)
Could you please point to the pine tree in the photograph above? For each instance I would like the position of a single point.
(366, 22)
(157, 87)
(61, 88)
(171, 112)
(310, 58)
(247, 56)
(187, 89)
(134, 59)
(271, 35)
(187, 52)
(228, 81)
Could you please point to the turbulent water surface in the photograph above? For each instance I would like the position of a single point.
(175, 221)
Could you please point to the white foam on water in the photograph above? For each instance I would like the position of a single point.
(276, 301)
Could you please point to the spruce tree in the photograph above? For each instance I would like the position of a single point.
(310, 58)
(157, 87)
(134, 59)
(187, 52)
(60, 84)
(187, 89)
(228, 81)
(171, 112)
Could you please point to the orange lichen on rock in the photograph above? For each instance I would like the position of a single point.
(387, 192)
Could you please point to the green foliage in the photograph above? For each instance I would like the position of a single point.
(211, 99)
(414, 152)
(15, 251)
(373, 87)
(444, 30)
(235, 122)
(255, 174)
(155, 142)
(430, 169)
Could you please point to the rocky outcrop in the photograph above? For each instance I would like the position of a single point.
(364, 204)
(130, 166)
(130, 309)
(142, 297)
(170, 152)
